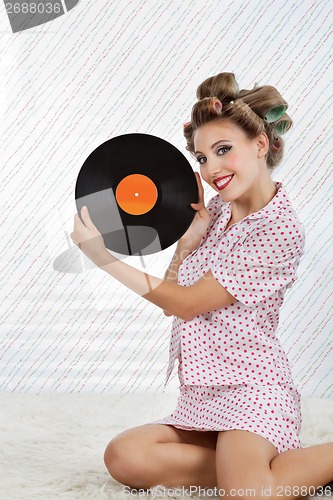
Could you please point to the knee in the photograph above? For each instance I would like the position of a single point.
(115, 461)
(120, 461)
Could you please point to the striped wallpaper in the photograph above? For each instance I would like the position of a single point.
(109, 68)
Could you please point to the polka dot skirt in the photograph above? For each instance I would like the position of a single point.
(272, 411)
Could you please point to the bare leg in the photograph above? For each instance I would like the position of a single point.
(246, 460)
(307, 467)
(152, 455)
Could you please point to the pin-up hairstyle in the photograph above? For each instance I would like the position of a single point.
(261, 109)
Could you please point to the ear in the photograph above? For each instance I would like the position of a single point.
(262, 144)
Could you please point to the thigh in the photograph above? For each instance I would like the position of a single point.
(243, 460)
(165, 433)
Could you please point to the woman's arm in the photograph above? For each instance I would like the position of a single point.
(184, 302)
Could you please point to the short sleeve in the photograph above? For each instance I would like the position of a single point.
(263, 264)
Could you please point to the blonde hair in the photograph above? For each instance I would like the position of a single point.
(261, 109)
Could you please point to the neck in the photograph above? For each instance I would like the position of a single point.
(256, 198)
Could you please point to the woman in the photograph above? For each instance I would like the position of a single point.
(238, 417)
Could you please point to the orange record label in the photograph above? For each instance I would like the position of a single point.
(136, 194)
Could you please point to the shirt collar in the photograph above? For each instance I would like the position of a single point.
(277, 204)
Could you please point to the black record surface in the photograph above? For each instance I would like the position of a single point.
(172, 175)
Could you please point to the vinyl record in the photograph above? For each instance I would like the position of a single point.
(138, 189)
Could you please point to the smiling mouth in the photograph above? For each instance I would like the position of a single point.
(221, 184)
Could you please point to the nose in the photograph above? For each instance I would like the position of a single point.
(214, 166)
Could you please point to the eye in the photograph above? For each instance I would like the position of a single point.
(225, 149)
(222, 150)
(201, 158)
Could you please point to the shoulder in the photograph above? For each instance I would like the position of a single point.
(278, 227)
(280, 224)
(279, 236)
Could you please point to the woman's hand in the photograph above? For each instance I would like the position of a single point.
(87, 237)
(191, 239)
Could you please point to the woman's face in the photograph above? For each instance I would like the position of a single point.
(224, 151)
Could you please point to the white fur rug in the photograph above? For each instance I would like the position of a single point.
(52, 445)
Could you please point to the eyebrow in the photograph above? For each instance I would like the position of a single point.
(221, 140)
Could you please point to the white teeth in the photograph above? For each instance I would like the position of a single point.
(223, 181)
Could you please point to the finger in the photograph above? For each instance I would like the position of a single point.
(198, 206)
(86, 217)
(77, 220)
(200, 189)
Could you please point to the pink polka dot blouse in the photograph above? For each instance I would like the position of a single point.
(256, 260)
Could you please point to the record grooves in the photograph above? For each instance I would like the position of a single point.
(138, 189)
